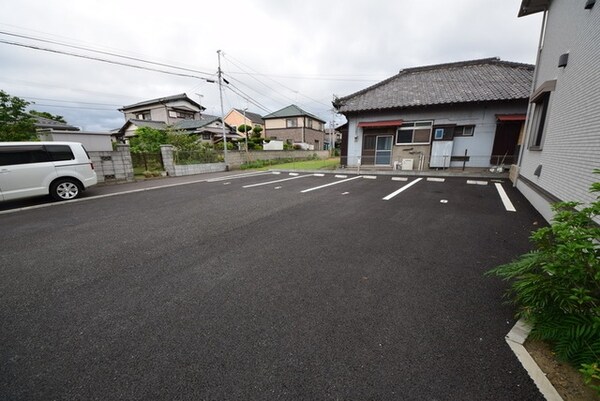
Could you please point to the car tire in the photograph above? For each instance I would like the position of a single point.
(65, 189)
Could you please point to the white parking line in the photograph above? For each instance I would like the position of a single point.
(505, 200)
(294, 174)
(410, 184)
(330, 184)
(242, 175)
(399, 178)
(319, 175)
(434, 179)
(473, 182)
(276, 181)
(341, 176)
(370, 177)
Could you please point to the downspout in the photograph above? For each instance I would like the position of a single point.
(533, 86)
(303, 129)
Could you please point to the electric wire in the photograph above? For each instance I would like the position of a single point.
(104, 60)
(103, 52)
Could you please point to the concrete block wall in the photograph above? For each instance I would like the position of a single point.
(234, 160)
(113, 165)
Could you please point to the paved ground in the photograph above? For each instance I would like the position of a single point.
(215, 291)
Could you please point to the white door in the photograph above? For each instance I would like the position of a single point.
(383, 150)
(441, 153)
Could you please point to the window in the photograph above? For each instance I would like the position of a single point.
(181, 114)
(206, 137)
(410, 133)
(309, 123)
(143, 115)
(291, 122)
(464, 130)
(60, 152)
(24, 154)
(538, 120)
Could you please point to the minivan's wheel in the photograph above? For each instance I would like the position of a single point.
(65, 189)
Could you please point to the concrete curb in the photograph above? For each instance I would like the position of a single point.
(516, 338)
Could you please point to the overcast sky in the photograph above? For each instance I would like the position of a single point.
(275, 52)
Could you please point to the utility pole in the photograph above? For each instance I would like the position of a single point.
(246, 132)
(332, 131)
(220, 73)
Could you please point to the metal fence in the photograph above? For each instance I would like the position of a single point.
(203, 156)
(146, 162)
(427, 162)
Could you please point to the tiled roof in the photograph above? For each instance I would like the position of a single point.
(148, 123)
(254, 117)
(291, 111)
(181, 96)
(43, 122)
(464, 82)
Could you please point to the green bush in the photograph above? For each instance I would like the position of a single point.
(556, 287)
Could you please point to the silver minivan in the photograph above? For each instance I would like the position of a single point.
(61, 169)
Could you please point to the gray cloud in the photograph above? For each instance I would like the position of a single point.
(337, 46)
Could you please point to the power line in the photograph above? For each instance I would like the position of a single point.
(102, 52)
(279, 83)
(74, 107)
(105, 60)
(246, 97)
(70, 101)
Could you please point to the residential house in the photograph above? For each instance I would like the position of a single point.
(468, 113)
(178, 112)
(208, 128)
(237, 117)
(563, 139)
(170, 109)
(294, 125)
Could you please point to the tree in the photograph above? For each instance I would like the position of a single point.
(147, 140)
(15, 123)
(256, 131)
(47, 115)
(244, 129)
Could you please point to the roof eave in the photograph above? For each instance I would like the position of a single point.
(529, 7)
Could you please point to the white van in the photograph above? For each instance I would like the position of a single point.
(61, 169)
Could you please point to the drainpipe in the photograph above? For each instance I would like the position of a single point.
(303, 129)
(533, 86)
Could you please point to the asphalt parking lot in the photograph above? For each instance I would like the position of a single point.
(270, 286)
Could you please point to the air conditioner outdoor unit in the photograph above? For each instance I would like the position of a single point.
(407, 164)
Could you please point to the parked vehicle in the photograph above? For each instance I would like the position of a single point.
(61, 169)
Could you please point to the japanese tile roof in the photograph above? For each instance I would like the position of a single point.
(45, 123)
(146, 123)
(181, 96)
(464, 82)
(254, 117)
(290, 111)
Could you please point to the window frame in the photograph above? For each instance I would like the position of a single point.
(413, 126)
(291, 122)
(459, 130)
(540, 100)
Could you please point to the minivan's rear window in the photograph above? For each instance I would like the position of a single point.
(24, 154)
(60, 152)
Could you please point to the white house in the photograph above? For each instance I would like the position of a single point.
(467, 113)
(563, 125)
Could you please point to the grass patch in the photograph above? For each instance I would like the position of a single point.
(327, 164)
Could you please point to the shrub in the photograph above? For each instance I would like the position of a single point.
(556, 287)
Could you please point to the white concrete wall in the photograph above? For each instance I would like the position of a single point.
(92, 141)
(571, 146)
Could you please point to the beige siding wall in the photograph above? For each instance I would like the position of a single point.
(571, 145)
